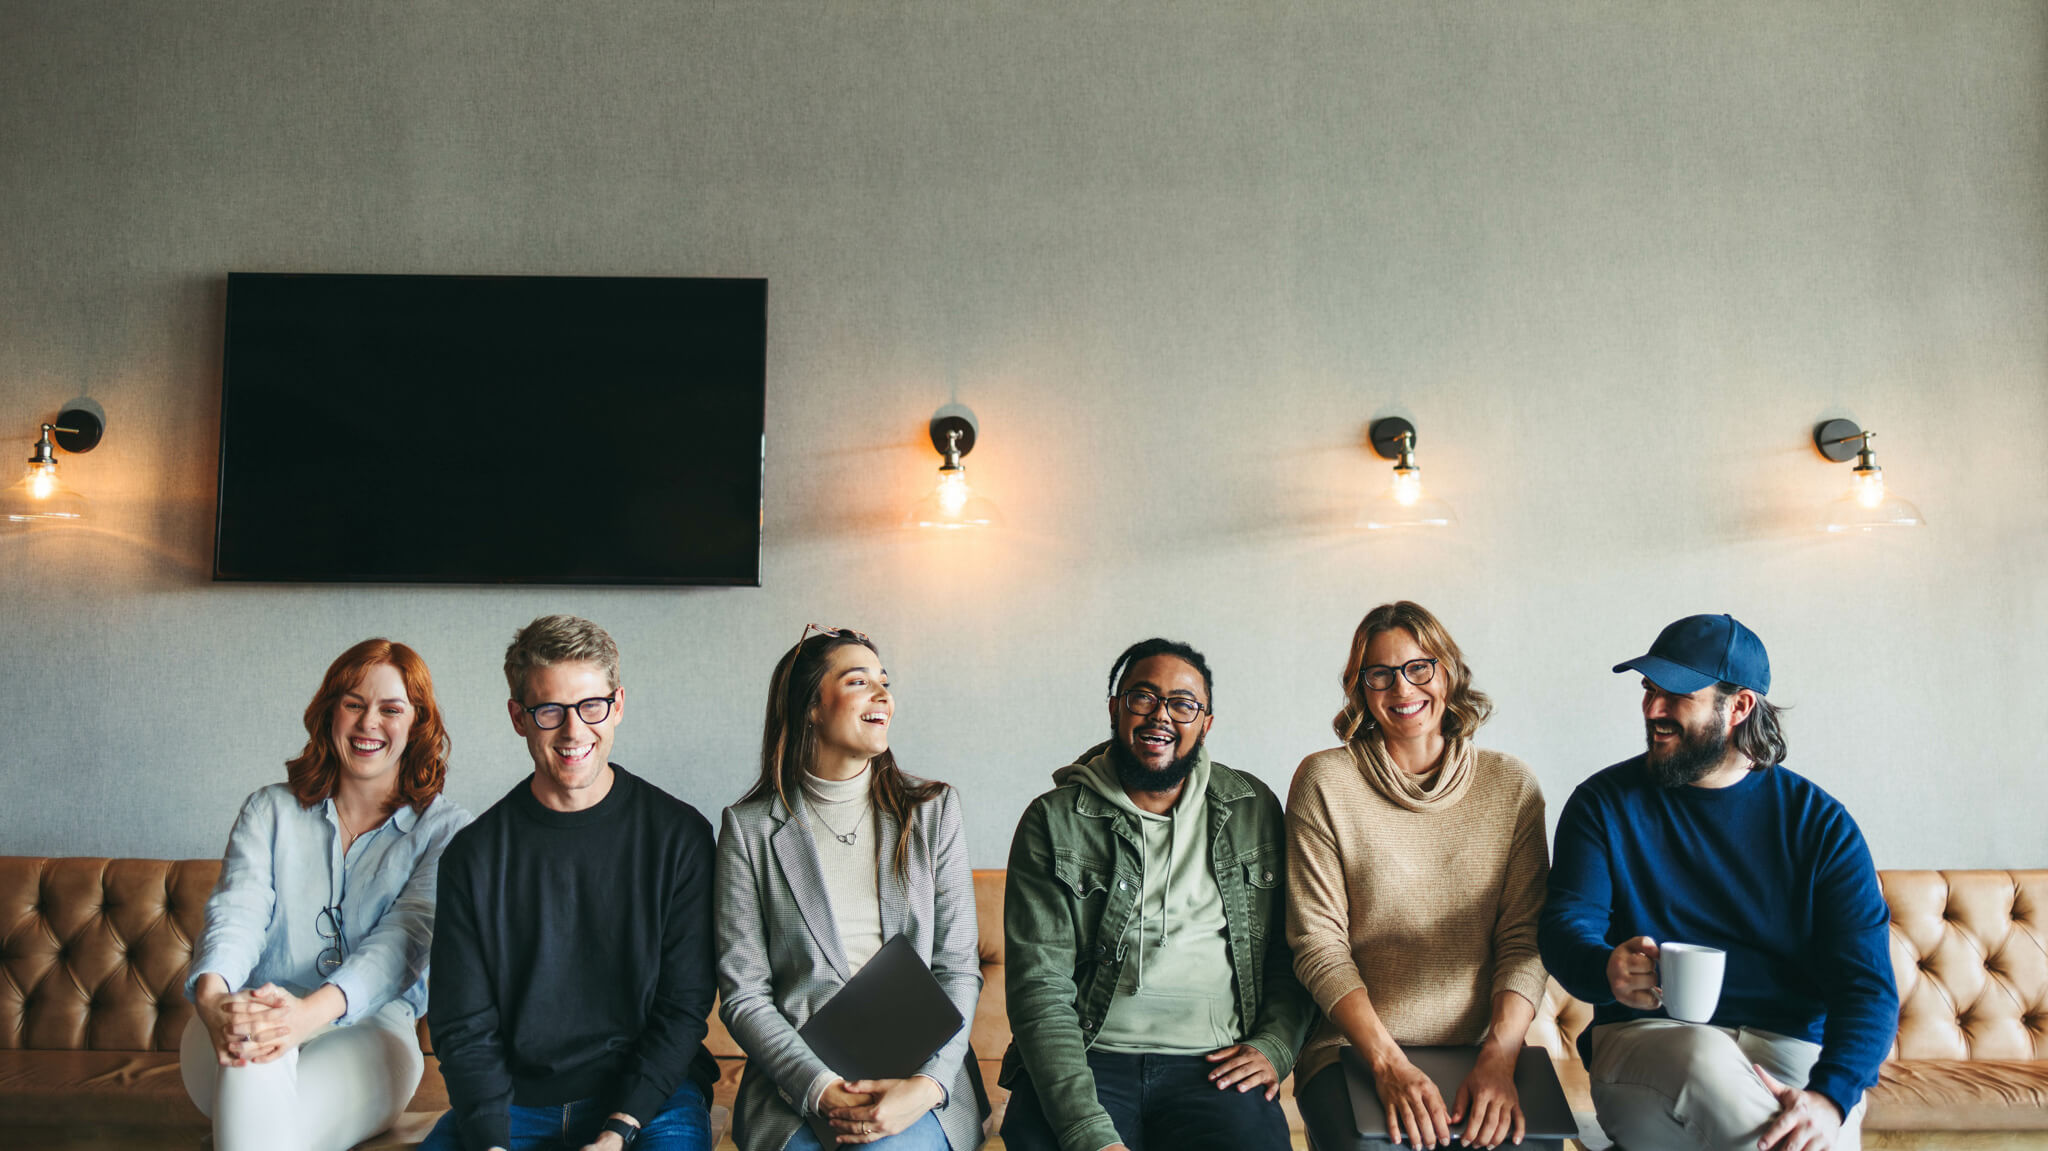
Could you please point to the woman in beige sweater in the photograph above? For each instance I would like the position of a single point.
(1415, 865)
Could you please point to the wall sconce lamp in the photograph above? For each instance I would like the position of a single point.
(1404, 504)
(952, 505)
(1867, 506)
(41, 496)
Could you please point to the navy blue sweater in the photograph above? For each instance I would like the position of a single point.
(1771, 870)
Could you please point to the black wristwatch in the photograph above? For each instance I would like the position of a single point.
(624, 1130)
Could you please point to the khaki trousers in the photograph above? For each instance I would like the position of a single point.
(1662, 1085)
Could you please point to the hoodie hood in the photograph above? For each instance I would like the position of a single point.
(1094, 771)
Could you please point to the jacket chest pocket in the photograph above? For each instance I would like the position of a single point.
(1083, 877)
(1264, 875)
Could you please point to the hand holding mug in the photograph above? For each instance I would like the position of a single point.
(1632, 974)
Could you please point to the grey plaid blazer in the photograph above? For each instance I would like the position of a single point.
(780, 958)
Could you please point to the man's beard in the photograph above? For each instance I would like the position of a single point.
(1697, 754)
(1135, 776)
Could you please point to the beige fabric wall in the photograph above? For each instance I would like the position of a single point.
(1615, 260)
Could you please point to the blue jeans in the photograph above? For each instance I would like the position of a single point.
(682, 1124)
(1158, 1102)
(923, 1135)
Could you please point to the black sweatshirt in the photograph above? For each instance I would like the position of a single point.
(573, 957)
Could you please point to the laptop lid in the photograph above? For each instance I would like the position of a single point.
(1544, 1107)
(884, 1023)
(887, 1020)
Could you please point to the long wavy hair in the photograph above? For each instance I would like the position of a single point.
(1761, 737)
(1465, 707)
(422, 766)
(789, 740)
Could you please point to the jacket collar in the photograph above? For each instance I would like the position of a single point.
(796, 852)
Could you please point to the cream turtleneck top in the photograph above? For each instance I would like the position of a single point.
(841, 809)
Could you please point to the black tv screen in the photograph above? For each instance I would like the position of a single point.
(492, 429)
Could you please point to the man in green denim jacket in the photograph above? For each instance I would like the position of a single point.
(1151, 990)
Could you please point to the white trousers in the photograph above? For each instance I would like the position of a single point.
(1663, 1085)
(337, 1089)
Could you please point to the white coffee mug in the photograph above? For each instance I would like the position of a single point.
(1691, 979)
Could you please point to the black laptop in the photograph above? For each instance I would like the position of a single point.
(885, 1023)
(1544, 1108)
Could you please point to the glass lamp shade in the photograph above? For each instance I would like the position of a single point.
(1406, 505)
(1858, 512)
(41, 497)
(1868, 506)
(953, 506)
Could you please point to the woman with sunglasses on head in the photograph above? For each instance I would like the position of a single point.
(833, 852)
(1415, 873)
(313, 965)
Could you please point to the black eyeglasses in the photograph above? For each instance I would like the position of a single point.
(1380, 676)
(1138, 701)
(336, 952)
(593, 711)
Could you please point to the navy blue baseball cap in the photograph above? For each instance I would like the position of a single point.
(1700, 650)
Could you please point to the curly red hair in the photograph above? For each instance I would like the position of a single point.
(422, 767)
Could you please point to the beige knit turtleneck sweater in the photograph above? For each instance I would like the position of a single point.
(1426, 897)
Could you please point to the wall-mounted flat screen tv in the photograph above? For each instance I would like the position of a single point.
(492, 429)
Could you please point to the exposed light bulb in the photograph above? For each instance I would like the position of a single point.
(41, 479)
(1407, 486)
(1868, 485)
(953, 492)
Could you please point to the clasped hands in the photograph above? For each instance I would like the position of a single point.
(261, 1024)
(864, 1110)
(1806, 1120)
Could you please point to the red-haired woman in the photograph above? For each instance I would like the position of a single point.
(313, 965)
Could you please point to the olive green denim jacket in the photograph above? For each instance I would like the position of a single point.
(1076, 872)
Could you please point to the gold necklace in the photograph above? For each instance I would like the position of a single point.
(348, 838)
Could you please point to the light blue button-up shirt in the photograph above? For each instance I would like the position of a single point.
(284, 863)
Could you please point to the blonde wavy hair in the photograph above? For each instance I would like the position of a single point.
(1465, 707)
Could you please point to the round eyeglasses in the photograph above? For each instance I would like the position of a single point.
(1180, 708)
(328, 924)
(592, 711)
(1380, 676)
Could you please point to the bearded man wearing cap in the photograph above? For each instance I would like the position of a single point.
(1708, 839)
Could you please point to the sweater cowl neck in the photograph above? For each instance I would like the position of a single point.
(1433, 791)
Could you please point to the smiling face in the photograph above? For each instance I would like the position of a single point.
(1688, 734)
(371, 724)
(1405, 712)
(1154, 743)
(571, 763)
(851, 717)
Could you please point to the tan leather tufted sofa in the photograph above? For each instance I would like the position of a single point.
(93, 954)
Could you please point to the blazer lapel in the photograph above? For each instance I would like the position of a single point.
(890, 883)
(797, 854)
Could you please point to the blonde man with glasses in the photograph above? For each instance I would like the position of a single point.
(573, 958)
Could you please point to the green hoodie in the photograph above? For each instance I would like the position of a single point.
(1078, 867)
(1176, 998)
